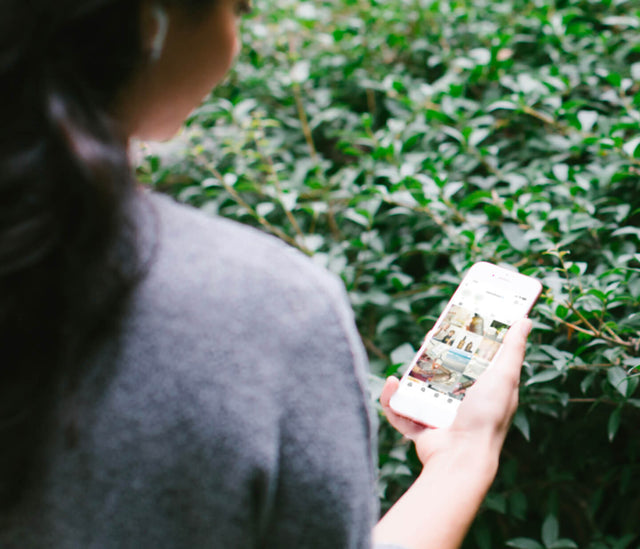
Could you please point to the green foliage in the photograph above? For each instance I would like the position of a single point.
(550, 538)
(397, 143)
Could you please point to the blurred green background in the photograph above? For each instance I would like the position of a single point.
(397, 142)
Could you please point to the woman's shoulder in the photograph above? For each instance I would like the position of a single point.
(218, 292)
(192, 247)
(227, 307)
(236, 360)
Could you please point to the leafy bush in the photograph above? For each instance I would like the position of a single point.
(396, 143)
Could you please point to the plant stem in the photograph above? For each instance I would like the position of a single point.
(261, 219)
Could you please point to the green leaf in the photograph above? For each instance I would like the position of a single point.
(403, 354)
(300, 71)
(521, 422)
(630, 146)
(518, 505)
(543, 377)
(550, 530)
(622, 21)
(496, 502)
(524, 543)
(587, 120)
(632, 362)
(617, 376)
(561, 172)
(635, 231)
(598, 293)
(506, 105)
(482, 536)
(357, 217)
(516, 236)
(478, 136)
(473, 199)
(614, 423)
(588, 380)
(494, 213)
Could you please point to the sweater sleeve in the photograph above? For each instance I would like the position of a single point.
(326, 470)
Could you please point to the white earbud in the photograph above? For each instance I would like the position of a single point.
(162, 26)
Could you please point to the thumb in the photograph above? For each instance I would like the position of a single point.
(504, 369)
(514, 345)
(493, 399)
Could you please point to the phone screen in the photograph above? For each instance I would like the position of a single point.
(469, 332)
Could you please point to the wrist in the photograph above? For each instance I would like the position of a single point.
(439, 507)
(473, 457)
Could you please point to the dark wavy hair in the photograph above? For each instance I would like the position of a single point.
(68, 253)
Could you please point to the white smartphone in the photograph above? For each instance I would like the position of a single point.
(463, 342)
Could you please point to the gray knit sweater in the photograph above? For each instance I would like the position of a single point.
(227, 410)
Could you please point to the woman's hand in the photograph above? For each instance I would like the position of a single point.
(460, 461)
(485, 414)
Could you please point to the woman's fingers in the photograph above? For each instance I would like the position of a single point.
(511, 355)
(390, 387)
(492, 400)
(408, 428)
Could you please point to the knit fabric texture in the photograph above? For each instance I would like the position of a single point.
(228, 408)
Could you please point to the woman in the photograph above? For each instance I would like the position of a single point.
(128, 414)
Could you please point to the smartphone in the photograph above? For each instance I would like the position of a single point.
(463, 342)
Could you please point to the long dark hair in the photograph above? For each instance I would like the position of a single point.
(68, 251)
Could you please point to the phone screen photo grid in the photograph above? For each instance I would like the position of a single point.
(463, 345)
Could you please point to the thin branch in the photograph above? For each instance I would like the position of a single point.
(276, 184)
(543, 118)
(564, 130)
(371, 346)
(304, 121)
(596, 333)
(336, 233)
(261, 219)
(371, 102)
